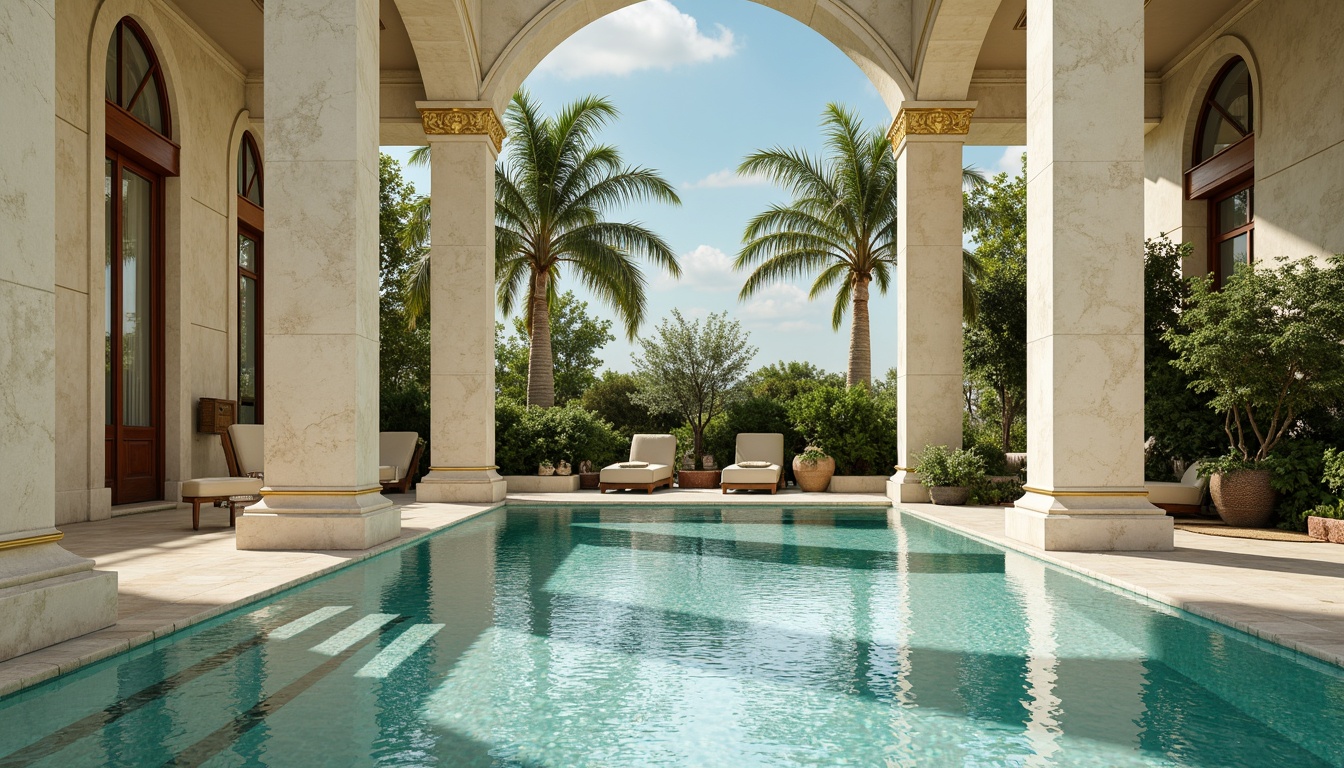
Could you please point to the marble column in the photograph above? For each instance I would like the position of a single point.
(1085, 282)
(47, 594)
(464, 140)
(927, 138)
(321, 332)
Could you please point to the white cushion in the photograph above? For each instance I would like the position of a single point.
(753, 464)
(388, 475)
(737, 473)
(1173, 493)
(249, 445)
(1191, 476)
(396, 449)
(220, 486)
(655, 449)
(760, 446)
(623, 475)
(633, 464)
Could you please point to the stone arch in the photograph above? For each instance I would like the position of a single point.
(562, 18)
(948, 46)
(1195, 213)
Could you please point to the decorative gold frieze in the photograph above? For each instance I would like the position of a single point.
(930, 121)
(459, 121)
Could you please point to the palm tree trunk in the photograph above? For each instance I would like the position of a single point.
(860, 350)
(540, 362)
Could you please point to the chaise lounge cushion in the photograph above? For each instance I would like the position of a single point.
(249, 445)
(205, 487)
(1189, 491)
(395, 451)
(660, 451)
(755, 447)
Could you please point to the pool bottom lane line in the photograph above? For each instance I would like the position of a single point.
(399, 650)
(222, 738)
(353, 633)
(306, 622)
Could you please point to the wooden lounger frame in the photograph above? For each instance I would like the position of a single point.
(771, 487)
(404, 484)
(649, 487)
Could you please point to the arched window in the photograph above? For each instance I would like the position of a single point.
(139, 156)
(1223, 169)
(251, 225)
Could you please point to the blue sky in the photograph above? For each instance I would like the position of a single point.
(700, 84)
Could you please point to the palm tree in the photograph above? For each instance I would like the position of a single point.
(551, 192)
(840, 226)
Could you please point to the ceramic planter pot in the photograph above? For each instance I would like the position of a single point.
(1244, 498)
(545, 471)
(813, 477)
(950, 495)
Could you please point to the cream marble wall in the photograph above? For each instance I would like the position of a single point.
(1293, 50)
(206, 94)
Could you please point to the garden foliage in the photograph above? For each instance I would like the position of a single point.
(527, 436)
(853, 426)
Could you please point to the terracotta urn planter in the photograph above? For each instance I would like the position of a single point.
(589, 481)
(949, 495)
(1244, 498)
(813, 476)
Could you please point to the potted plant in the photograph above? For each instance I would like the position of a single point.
(1326, 522)
(1266, 346)
(546, 469)
(813, 469)
(949, 474)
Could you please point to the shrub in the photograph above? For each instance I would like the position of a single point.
(1297, 470)
(525, 437)
(988, 491)
(1332, 475)
(938, 467)
(986, 445)
(755, 414)
(609, 398)
(857, 429)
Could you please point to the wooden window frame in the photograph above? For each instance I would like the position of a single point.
(154, 72)
(1223, 174)
(252, 224)
(1217, 238)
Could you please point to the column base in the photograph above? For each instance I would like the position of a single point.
(904, 488)
(318, 522)
(461, 485)
(1089, 523)
(49, 595)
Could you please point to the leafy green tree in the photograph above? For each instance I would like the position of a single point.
(853, 426)
(752, 414)
(1267, 348)
(995, 345)
(609, 398)
(576, 339)
(403, 351)
(1176, 418)
(783, 381)
(692, 369)
(840, 226)
(527, 436)
(552, 192)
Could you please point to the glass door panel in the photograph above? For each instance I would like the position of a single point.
(137, 299)
(247, 330)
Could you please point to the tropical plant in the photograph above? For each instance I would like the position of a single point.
(553, 189)
(840, 226)
(576, 339)
(692, 370)
(854, 426)
(1266, 347)
(939, 467)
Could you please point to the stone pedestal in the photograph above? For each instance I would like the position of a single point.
(322, 266)
(927, 139)
(1085, 282)
(464, 141)
(47, 594)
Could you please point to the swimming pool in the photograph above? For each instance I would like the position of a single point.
(615, 636)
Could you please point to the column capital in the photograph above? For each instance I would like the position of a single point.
(461, 119)
(931, 118)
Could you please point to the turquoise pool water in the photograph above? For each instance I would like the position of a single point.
(558, 637)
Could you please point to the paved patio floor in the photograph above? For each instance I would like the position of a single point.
(170, 577)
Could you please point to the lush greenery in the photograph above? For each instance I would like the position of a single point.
(609, 398)
(525, 437)
(1266, 347)
(1177, 420)
(853, 426)
(576, 339)
(1332, 476)
(938, 466)
(693, 370)
(751, 414)
(995, 343)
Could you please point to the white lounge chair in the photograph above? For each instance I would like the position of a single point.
(649, 467)
(758, 464)
(398, 460)
(244, 452)
(1179, 498)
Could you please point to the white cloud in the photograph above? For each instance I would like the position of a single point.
(727, 178)
(1011, 162)
(777, 302)
(650, 35)
(705, 269)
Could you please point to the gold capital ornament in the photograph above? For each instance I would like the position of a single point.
(930, 121)
(464, 121)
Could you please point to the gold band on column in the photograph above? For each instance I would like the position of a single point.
(46, 538)
(1094, 494)
(464, 121)
(929, 121)
(463, 469)
(357, 492)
